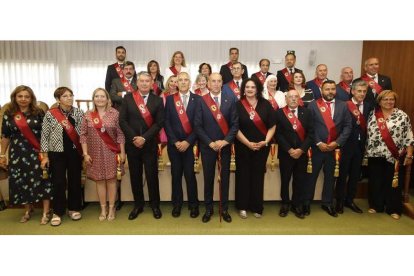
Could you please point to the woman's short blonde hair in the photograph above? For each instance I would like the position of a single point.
(388, 93)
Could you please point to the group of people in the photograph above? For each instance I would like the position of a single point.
(227, 117)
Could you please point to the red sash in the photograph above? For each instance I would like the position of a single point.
(68, 127)
(97, 123)
(198, 91)
(174, 70)
(385, 134)
(27, 132)
(260, 76)
(235, 89)
(286, 74)
(345, 86)
(230, 65)
(376, 88)
(273, 102)
(318, 82)
(157, 90)
(301, 102)
(146, 115)
(296, 124)
(221, 121)
(255, 117)
(360, 119)
(118, 69)
(327, 118)
(182, 115)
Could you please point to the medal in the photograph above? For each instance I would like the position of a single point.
(252, 113)
(295, 126)
(102, 129)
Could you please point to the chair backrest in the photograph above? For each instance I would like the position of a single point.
(84, 103)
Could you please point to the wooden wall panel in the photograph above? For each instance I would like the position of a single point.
(396, 61)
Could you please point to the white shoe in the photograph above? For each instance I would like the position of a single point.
(243, 214)
(257, 215)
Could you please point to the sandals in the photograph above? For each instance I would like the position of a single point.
(111, 215)
(395, 216)
(74, 215)
(27, 215)
(45, 218)
(102, 216)
(371, 211)
(56, 220)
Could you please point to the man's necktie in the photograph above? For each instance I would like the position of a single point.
(216, 99)
(185, 101)
(144, 98)
(237, 83)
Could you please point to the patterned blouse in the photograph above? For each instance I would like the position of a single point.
(400, 130)
(52, 131)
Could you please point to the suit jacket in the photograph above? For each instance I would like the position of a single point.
(116, 87)
(282, 83)
(132, 123)
(315, 89)
(173, 127)
(342, 120)
(206, 126)
(341, 94)
(384, 82)
(286, 137)
(226, 73)
(110, 75)
(226, 88)
(358, 137)
(254, 76)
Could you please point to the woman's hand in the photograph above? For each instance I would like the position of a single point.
(88, 159)
(44, 163)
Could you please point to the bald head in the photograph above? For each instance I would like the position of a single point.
(372, 66)
(292, 99)
(215, 82)
(347, 74)
(321, 71)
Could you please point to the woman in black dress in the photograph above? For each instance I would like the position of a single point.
(256, 129)
(21, 129)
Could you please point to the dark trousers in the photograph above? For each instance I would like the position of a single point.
(147, 157)
(66, 169)
(183, 163)
(250, 170)
(327, 160)
(209, 158)
(381, 194)
(350, 165)
(297, 167)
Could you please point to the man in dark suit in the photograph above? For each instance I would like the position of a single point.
(111, 72)
(118, 89)
(261, 76)
(233, 86)
(225, 70)
(376, 82)
(343, 88)
(294, 136)
(354, 148)
(141, 119)
(284, 76)
(332, 127)
(180, 110)
(315, 85)
(216, 124)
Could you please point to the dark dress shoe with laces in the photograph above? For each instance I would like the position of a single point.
(306, 210)
(298, 212)
(135, 212)
(284, 210)
(156, 212)
(353, 207)
(194, 212)
(207, 216)
(330, 210)
(339, 207)
(176, 212)
(226, 216)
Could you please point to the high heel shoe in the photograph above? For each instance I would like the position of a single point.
(45, 218)
(27, 215)
(102, 216)
(111, 215)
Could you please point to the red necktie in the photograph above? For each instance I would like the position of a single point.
(329, 106)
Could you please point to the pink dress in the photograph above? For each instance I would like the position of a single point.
(103, 159)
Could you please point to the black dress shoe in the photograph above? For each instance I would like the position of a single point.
(339, 207)
(156, 212)
(207, 216)
(135, 212)
(2, 205)
(353, 207)
(330, 210)
(176, 212)
(194, 212)
(298, 212)
(226, 216)
(284, 210)
(119, 205)
(306, 210)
